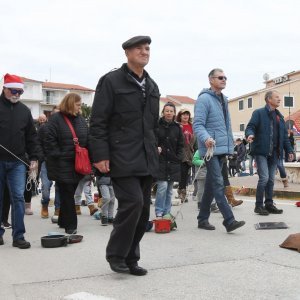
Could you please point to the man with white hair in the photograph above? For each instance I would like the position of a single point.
(123, 124)
(18, 139)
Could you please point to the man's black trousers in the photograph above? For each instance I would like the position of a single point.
(133, 195)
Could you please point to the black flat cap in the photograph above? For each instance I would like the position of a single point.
(136, 40)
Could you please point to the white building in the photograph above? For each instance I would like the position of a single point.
(180, 102)
(41, 96)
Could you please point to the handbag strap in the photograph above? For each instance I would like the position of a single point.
(75, 138)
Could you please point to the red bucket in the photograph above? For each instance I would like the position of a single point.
(162, 225)
(96, 197)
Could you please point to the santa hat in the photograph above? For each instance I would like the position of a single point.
(13, 81)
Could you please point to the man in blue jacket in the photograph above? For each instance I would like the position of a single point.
(268, 135)
(212, 127)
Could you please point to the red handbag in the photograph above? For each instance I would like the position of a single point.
(82, 160)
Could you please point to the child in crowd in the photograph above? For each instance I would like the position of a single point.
(105, 187)
(200, 176)
(232, 164)
(85, 185)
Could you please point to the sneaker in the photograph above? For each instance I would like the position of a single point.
(21, 244)
(272, 209)
(1, 241)
(214, 208)
(206, 225)
(110, 220)
(261, 211)
(104, 221)
(6, 225)
(234, 225)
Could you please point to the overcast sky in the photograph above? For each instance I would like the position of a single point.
(78, 41)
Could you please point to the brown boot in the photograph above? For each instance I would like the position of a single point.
(44, 212)
(285, 182)
(100, 202)
(92, 209)
(230, 198)
(28, 210)
(179, 194)
(78, 210)
(183, 196)
(56, 212)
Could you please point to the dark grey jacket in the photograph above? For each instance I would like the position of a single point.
(170, 139)
(17, 131)
(59, 147)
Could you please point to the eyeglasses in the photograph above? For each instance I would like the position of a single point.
(221, 77)
(15, 92)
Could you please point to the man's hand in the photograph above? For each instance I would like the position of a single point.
(33, 166)
(291, 156)
(209, 142)
(250, 139)
(159, 150)
(102, 166)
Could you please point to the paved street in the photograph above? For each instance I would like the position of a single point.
(188, 263)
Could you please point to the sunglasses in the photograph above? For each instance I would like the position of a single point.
(221, 77)
(15, 92)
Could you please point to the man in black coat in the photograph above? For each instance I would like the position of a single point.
(241, 153)
(18, 139)
(124, 119)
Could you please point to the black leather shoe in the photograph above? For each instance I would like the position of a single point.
(261, 211)
(234, 225)
(272, 209)
(21, 244)
(205, 225)
(118, 266)
(1, 241)
(137, 271)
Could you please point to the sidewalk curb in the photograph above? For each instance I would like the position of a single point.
(283, 195)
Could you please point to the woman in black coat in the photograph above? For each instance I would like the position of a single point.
(60, 156)
(170, 145)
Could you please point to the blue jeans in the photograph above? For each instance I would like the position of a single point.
(163, 197)
(46, 184)
(266, 169)
(281, 168)
(214, 188)
(108, 200)
(251, 158)
(13, 173)
(84, 185)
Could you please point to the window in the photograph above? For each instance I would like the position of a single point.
(242, 127)
(288, 101)
(241, 104)
(49, 97)
(249, 102)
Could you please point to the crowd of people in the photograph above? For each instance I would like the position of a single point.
(132, 148)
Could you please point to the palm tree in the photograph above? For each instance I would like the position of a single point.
(86, 111)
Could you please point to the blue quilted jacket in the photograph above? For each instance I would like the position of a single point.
(209, 122)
